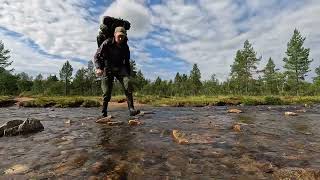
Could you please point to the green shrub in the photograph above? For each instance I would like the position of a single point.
(271, 100)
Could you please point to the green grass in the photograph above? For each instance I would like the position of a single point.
(190, 101)
(62, 102)
(227, 100)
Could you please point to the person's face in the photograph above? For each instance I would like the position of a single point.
(119, 38)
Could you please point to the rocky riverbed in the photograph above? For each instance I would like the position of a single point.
(261, 142)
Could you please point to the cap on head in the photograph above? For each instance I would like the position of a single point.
(120, 30)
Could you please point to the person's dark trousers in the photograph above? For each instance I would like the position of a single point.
(107, 85)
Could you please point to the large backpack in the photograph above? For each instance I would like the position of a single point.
(107, 28)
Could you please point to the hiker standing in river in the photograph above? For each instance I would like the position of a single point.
(112, 60)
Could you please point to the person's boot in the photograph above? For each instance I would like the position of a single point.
(132, 111)
(105, 109)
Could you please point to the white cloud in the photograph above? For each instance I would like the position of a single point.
(57, 27)
(133, 11)
(219, 28)
(205, 32)
(27, 60)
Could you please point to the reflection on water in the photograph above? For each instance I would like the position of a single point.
(268, 142)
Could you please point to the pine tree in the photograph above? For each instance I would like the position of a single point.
(270, 78)
(245, 63)
(4, 57)
(79, 82)
(66, 75)
(297, 61)
(24, 82)
(38, 85)
(195, 79)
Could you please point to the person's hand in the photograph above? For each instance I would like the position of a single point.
(99, 72)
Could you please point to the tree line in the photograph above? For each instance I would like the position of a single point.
(244, 79)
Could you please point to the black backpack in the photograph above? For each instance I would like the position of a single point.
(107, 28)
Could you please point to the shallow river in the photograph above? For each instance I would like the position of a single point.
(73, 146)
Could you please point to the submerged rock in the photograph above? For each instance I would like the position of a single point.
(234, 111)
(297, 173)
(104, 120)
(236, 127)
(190, 138)
(179, 137)
(134, 122)
(115, 123)
(17, 127)
(17, 169)
(98, 167)
(290, 114)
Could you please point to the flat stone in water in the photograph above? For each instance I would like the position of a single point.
(17, 169)
(234, 111)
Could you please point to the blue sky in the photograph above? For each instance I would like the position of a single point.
(166, 36)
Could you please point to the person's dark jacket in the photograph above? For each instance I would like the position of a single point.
(109, 56)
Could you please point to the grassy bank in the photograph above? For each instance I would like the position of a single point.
(195, 101)
(227, 100)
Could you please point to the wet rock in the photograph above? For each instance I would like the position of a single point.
(134, 122)
(98, 167)
(187, 121)
(237, 111)
(147, 112)
(236, 127)
(68, 121)
(8, 125)
(119, 172)
(30, 126)
(15, 177)
(154, 131)
(13, 128)
(104, 120)
(267, 168)
(75, 161)
(290, 114)
(297, 173)
(17, 169)
(301, 111)
(93, 178)
(179, 137)
(115, 123)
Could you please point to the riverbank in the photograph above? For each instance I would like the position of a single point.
(190, 101)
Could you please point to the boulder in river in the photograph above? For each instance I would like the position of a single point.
(16, 127)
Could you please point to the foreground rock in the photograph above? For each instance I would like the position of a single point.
(297, 173)
(17, 127)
